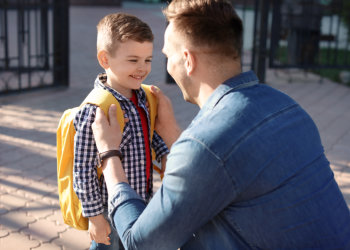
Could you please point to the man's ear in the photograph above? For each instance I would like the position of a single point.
(102, 57)
(190, 61)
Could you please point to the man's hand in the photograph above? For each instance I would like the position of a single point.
(108, 137)
(99, 229)
(166, 125)
(107, 133)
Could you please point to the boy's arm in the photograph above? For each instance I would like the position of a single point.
(86, 184)
(159, 147)
(161, 151)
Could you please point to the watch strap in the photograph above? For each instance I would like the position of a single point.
(107, 154)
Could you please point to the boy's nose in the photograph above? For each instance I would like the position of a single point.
(141, 66)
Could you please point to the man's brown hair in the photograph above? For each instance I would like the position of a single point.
(120, 27)
(212, 24)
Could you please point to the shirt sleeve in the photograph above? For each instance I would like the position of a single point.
(85, 180)
(159, 146)
(190, 196)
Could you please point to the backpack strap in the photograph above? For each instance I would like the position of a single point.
(152, 102)
(153, 108)
(104, 99)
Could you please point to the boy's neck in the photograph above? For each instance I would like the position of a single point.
(126, 92)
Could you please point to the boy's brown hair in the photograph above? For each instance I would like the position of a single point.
(210, 24)
(120, 27)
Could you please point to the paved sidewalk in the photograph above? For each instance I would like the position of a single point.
(29, 211)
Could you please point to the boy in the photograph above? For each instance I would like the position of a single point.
(124, 50)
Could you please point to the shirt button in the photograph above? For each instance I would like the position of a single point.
(139, 134)
(133, 110)
(142, 162)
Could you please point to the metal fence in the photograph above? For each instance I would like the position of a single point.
(310, 34)
(33, 44)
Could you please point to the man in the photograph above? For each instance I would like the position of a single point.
(248, 173)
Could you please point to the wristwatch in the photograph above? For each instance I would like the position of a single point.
(105, 155)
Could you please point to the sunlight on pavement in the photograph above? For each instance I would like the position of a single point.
(18, 117)
(33, 146)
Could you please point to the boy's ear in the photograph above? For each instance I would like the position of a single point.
(102, 57)
(190, 61)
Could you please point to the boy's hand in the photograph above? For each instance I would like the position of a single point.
(99, 229)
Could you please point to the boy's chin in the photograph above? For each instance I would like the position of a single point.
(136, 85)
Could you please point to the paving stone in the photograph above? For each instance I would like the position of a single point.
(5, 148)
(73, 239)
(2, 191)
(338, 128)
(32, 161)
(39, 209)
(4, 233)
(41, 173)
(38, 190)
(48, 246)
(7, 171)
(13, 201)
(17, 241)
(43, 230)
(52, 198)
(32, 193)
(57, 218)
(3, 210)
(12, 183)
(16, 155)
(14, 221)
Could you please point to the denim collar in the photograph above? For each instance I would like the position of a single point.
(240, 81)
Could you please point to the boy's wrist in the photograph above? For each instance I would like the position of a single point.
(95, 218)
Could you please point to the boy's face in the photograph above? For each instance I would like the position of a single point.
(129, 66)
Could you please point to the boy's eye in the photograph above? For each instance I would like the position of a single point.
(149, 60)
(133, 60)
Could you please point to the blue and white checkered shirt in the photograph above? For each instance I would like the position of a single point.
(93, 192)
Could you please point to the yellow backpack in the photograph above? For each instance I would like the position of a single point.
(70, 204)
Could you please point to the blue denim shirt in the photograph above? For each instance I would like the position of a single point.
(248, 173)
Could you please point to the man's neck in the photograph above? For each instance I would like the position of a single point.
(216, 78)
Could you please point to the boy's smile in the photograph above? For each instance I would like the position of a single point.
(129, 66)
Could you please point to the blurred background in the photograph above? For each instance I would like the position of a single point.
(312, 35)
(48, 64)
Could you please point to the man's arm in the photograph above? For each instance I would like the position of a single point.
(189, 197)
(108, 137)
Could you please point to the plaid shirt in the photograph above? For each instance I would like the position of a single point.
(93, 192)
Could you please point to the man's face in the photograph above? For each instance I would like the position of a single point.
(173, 50)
